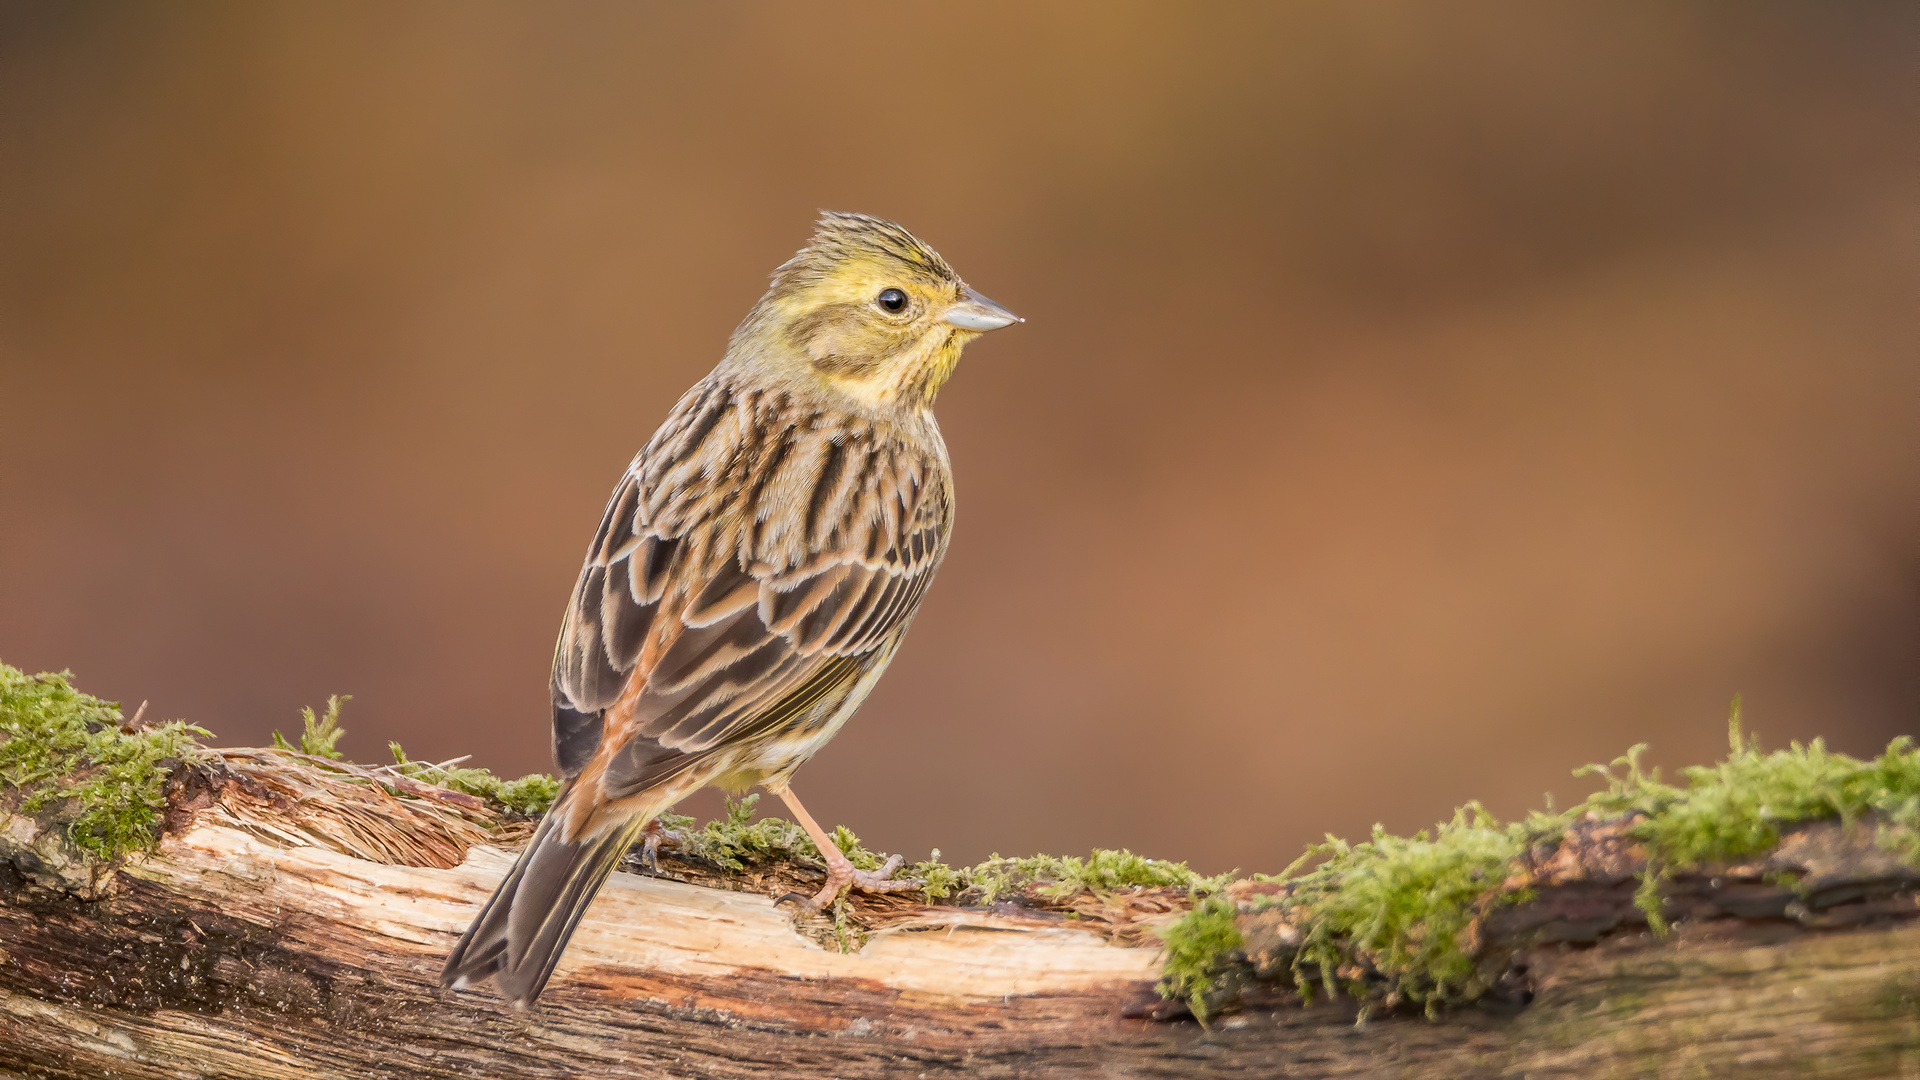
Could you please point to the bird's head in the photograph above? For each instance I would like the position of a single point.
(869, 310)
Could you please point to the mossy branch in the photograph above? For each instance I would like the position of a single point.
(1391, 921)
(1398, 919)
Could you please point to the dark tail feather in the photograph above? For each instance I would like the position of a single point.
(522, 931)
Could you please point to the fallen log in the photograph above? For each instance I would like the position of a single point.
(282, 928)
(171, 910)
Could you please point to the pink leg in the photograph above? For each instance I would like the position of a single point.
(840, 872)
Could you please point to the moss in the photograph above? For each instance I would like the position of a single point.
(530, 794)
(1199, 947)
(318, 734)
(1103, 871)
(1390, 918)
(1900, 832)
(738, 839)
(941, 880)
(847, 936)
(853, 849)
(1397, 909)
(1648, 899)
(57, 743)
(1737, 807)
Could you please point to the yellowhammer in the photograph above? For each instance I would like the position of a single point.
(754, 572)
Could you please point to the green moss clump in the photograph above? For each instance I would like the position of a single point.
(847, 936)
(319, 733)
(1737, 807)
(58, 743)
(1900, 832)
(530, 794)
(737, 839)
(1391, 917)
(1198, 948)
(1401, 906)
(941, 880)
(1103, 871)
(850, 846)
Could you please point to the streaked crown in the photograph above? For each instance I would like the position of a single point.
(842, 241)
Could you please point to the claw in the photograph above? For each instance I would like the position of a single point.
(841, 873)
(654, 834)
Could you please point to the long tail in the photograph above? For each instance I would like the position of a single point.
(521, 933)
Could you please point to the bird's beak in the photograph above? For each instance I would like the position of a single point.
(976, 312)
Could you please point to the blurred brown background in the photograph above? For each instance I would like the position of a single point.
(1417, 400)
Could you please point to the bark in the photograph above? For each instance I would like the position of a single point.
(279, 931)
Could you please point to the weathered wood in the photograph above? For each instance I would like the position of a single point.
(258, 942)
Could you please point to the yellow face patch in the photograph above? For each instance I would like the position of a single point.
(869, 313)
(864, 306)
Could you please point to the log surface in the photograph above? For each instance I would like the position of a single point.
(248, 948)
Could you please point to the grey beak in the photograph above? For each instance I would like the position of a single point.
(976, 312)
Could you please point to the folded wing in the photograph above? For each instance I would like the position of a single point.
(721, 626)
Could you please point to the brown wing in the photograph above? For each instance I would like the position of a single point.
(752, 563)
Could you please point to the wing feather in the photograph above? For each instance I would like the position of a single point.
(709, 625)
(813, 630)
(781, 610)
(623, 623)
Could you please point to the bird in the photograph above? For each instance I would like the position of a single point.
(755, 571)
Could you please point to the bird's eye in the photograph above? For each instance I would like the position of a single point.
(893, 300)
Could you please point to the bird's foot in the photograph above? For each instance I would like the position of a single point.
(654, 834)
(840, 870)
(841, 873)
